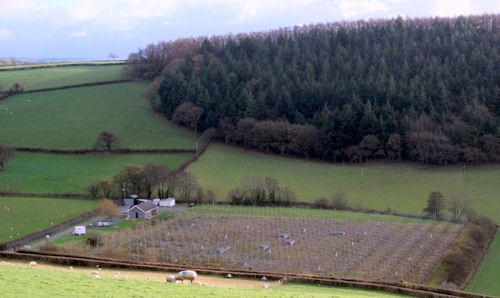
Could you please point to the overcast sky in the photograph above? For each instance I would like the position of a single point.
(94, 28)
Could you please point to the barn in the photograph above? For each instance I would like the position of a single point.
(144, 210)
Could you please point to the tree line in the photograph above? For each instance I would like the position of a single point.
(424, 90)
(151, 181)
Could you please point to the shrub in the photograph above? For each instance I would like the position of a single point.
(94, 239)
(108, 208)
(49, 246)
(236, 196)
(321, 202)
(339, 201)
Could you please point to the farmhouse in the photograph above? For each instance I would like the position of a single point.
(144, 210)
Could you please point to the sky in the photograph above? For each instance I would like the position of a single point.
(92, 29)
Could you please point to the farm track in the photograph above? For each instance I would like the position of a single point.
(416, 290)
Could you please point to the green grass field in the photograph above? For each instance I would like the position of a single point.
(57, 173)
(485, 280)
(307, 213)
(73, 118)
(20, 216)
(402, 186)
(38, 78)
(20, 281)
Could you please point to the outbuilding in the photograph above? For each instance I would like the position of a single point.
(130, 201)
(170, 202)
(144, 210)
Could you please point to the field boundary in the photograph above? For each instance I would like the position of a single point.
(40, 234)
(49, 65)
(82, 196)
(78, 85)
(113, 151)
(8, 94)
(481, 261)
(416, 290)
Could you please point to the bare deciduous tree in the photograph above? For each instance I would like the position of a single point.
(106, 141)
(188, 114)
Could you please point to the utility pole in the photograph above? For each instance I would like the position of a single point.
(196, 150)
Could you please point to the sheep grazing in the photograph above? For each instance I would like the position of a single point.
(95, 272)
(117, 274)
(125, 276)
(148, 278)
(70, 267)
(186, 274)
(197, 282)
(32, 264)
(170, 278)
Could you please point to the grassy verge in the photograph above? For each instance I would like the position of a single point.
(22, 216)
(23, 282)
(485, 280)
(56, 173)
(307, 213)
(402, 186)
(38, 78)
(73, 118)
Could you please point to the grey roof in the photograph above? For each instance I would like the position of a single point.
(146, 206)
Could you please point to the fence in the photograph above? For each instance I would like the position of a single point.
(41, 234)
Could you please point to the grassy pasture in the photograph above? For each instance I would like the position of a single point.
(485, 280)
(307, 213)
(20, 216)
(57, 173)
(59, 64)
(402, 186)
(72, 118)
(19, 281)
(38, 78)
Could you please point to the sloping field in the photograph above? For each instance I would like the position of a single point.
(21, 216)
(485, 280)
(61, 173)
(404, 187)
(73, 118)
(19, 281)
(39, 78)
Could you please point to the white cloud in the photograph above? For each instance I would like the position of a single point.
(359, 8)
(86, 10)
(5, 33)
(79, 34)
(451, 8)
(463, 7)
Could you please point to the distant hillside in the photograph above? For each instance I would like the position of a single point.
(426, 90)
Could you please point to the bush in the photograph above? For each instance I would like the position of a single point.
(94, 239)
(321, 202)
(339, 201)
(236, 196)
(108, 208)
(49, 246)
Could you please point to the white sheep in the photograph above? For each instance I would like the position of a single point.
(186, 274)
(95, 272)
(197, 282)
(32, 264)
(125, 276)
(70, 267)
(170, 278)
